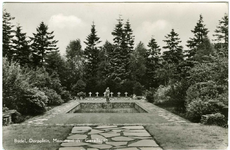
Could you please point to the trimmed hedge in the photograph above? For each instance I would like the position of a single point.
(214, 119)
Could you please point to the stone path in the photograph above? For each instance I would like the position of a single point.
(109, 138)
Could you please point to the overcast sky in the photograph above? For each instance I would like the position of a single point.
(71, 21)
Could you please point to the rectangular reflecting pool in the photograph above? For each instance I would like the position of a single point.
(114, 107)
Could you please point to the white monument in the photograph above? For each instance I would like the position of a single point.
(97, 94)
(90, 94)
(126, 93)
(118, 94)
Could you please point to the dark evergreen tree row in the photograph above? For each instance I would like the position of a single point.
(32, 51)
(123, 67)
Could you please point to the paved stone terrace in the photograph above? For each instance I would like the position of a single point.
(109, 137)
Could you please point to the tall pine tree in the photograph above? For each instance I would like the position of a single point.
(21, 47)
(118, 73)
(104, 68)
(42, 44)
(200, 32)
(129, 38)
(172, 58)
(91, 55)
(7, 31)
(221, 33)
(152, 63)
(123, 41)
(118, 34)
(154, 50)
(105, 64)
(174, 53)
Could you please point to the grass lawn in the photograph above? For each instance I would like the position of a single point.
(189, 136)
(13, 133)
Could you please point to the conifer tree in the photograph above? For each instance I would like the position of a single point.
(200, 32)
(123, 41)
(42, 44)
(21, 47)
(120, 73)
(117, 63)
(129, 38)
(7, 30)
(172, 58)
(118, 33)
(154, 49)
(91, 55)
(105, 58)
(152, 63)
(92, 39)
(221, 33)
(174, 53)
(104, 68)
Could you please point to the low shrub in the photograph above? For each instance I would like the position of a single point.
(32, 102)
(53, 97)
(177, 94)
(199, 107)
(160, 95)
(138, 89)
(206, 98)
(202, 90)
(18, 94)
(150, 95)
(81, 94)
(78, 87)
(223, 97)
(214, 119)
(196, 109)
(17, 117)
(65, 95)
(14, 84)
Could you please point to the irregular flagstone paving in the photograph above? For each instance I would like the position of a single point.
(109, 137)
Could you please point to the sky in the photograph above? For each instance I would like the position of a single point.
(71, 21)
